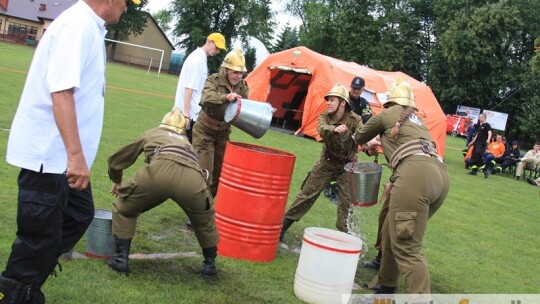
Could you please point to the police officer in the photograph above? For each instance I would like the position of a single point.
(336, 126)
(211, 132)
(420, 184)
(359, 104)
(172, 171)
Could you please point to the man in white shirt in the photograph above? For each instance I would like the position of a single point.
(54, 140)
(192, 77)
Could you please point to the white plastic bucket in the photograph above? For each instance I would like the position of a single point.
(327, 266)
(364, 182)
(252, 117)
(99, 237)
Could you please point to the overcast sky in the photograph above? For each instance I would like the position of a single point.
(154, 6)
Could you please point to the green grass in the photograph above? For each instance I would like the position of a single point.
(484, 239)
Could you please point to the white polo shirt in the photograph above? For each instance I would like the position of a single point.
(71, 54)
(193, 75)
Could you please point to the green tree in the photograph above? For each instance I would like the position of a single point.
(288, 38)
(481, 56)
(400, 38)
(132, 22)
(233, 18)
(163, 18)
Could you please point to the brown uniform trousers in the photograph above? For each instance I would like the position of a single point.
(322, 172)
(338, 150)
(211, 132)
(420, 186)
(165, 176)
(210, 146)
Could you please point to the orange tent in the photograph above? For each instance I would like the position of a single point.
(295, 81)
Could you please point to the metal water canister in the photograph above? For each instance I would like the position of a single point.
(252, 117)
(251, 200)
(364, 181)
(99, 237)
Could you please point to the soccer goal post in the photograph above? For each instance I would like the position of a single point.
(143, 47)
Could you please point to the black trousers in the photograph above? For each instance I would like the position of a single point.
(51, 219)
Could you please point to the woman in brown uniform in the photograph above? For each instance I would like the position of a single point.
(211, 132)
(420, 185)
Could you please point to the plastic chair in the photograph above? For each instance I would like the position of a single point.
(532, 173)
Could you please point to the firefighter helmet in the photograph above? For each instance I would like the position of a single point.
(174, 121)
(235, 61)
(400, 92)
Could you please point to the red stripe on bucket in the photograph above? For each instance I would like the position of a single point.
(95, 256)
(359, 204)
(238, 109)
(331, 248)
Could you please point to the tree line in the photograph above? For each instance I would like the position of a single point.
(475, 53)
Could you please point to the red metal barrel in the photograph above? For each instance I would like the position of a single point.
(251, 200)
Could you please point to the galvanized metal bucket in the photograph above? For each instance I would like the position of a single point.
(252, 117)
(99, 237)
(364, 182)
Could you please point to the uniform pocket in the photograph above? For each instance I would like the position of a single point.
(405, 224)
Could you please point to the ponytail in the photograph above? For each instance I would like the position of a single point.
(407, 111)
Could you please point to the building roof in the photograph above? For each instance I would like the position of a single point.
(30, 9)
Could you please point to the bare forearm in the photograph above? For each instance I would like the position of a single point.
(77, 172)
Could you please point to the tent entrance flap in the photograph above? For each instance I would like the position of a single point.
(288, 90)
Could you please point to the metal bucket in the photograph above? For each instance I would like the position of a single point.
(99, 237)
(252, 117)
(364, 181)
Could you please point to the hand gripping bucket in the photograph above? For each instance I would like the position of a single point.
(327, 266)
(99, 237)
(364, 181)
(252, 117)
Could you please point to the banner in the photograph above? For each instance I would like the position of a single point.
(469, 112)
(497, 120)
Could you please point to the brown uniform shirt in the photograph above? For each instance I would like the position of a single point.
(147, 144)
(214, 96)
(381, 124)
(339, 146)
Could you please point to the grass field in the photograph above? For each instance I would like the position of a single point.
(484, 239)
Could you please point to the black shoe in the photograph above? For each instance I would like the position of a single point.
(209, 269)
(379, 289)
(517, 178)
(119, 262)
(13, 291)
(531, 181)
(486, 173)
(286, 224)
(375, 264)
(471, 172)
(189, 226)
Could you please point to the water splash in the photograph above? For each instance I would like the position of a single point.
(355, 227)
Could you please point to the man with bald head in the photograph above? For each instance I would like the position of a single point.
(54, 139)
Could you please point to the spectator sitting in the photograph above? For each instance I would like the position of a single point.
(495, 149)
(467, 156)
(529, 161)
(510, 157)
